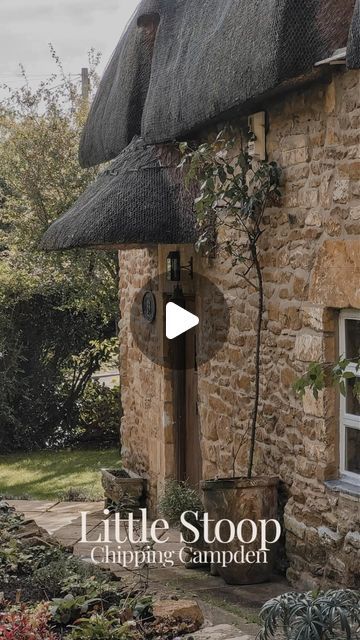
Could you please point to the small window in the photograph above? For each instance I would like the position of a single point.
(349, 344)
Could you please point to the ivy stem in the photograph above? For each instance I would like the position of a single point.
(256, 262)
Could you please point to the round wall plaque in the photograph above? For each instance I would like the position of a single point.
(149, 306)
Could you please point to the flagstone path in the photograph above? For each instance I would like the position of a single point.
(230, 611)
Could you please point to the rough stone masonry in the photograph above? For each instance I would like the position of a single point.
(310, 254)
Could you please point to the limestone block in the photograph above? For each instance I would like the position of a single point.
(335, 279)
(330, 98)
(318, 318)
(314, 348)
(295, 141)
(295, 527)
(297, 172)
(181, 610)
(295, 156)
(308, 198)
(325, 192)
(352, 539)
(355, 213)
(313, 219)
(329, 536)
(220, 632)
(313, 406)
(332, 132)
(341, 190)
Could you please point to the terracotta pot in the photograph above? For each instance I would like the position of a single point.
(238, 499)
(123, 487)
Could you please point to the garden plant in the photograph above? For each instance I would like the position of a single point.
(318, 615)
(48, 594)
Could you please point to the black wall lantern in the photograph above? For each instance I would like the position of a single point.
(173, 267)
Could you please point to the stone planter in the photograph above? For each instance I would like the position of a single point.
(237, 499)
(124, 488)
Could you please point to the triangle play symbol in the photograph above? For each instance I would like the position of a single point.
(178, 320)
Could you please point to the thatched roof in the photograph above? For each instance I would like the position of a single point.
(209, 58)
(139, 199)
(123, 91)
(353, 54)
(180, 65)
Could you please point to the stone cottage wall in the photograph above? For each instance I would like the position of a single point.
(141, 379)
(310, 254)
(311, 260)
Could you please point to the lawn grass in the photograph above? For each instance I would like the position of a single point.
(48, 475)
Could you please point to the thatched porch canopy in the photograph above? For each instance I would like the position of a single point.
(139, 199)
(182, 64)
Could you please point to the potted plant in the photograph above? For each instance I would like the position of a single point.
(177, 498)
(235, 191)
(330, 615)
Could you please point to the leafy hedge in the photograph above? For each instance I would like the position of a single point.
(58, 311)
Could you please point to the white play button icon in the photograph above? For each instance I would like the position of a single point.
(178, 320)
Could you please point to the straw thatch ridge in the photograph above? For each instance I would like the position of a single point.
(139, 200)
(353, 53)
(119, 102)
(182, 64)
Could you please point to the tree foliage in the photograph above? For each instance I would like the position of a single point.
(57, 310)
(320, 375)
(235, 191)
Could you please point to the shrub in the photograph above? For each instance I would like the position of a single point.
(99, 411)
(177, 498)
(27, 624)
(53, 306)
(68, 571)
(64, 611)
(330, 615)
(102, 627)
(47, 358)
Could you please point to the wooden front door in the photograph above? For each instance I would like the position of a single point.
(187, 431)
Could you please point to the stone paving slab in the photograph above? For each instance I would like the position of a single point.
(208, 587)
(52, 522)
(31, 506)
(77, 507)
(56, 517)
(220, 632)
(232, 610)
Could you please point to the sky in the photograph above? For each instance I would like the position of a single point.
(72, 26)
